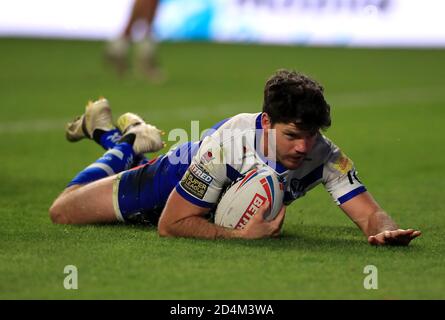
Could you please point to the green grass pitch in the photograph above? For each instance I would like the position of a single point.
(388, 109)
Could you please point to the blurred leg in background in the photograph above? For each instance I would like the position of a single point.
(117, 50)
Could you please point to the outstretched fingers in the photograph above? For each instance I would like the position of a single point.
(394, 237)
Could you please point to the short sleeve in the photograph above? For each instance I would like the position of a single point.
(340, 177)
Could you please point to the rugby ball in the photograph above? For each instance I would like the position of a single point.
(243, 199)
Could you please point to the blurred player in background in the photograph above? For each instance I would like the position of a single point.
(181, 187)
(117, 50)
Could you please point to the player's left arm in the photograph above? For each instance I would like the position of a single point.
(375, 223)
(341, 181)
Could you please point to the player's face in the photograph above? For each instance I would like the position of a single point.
(291, 143)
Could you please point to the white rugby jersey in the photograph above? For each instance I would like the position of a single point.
(233, 148)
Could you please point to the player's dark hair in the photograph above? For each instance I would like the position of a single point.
(291, 97)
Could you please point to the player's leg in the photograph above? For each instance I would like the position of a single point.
(142, 10)
(83, 204)
(146, 49)
(117, 50)
(88, 197)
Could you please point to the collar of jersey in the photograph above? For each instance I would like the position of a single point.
(278, 167)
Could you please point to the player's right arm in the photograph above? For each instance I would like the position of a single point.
(198, 191)
(181, 218)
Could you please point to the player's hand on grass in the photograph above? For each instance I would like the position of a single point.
(397, 237)
(258, 227)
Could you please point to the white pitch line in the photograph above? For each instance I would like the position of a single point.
(47, 125)
(38, 125)
(379, 98)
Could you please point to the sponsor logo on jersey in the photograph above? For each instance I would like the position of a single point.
(343, 164)
(194, 185)
(200, 173)
(297, 189)
(252, 208)
(352, 176)
(207, 157)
